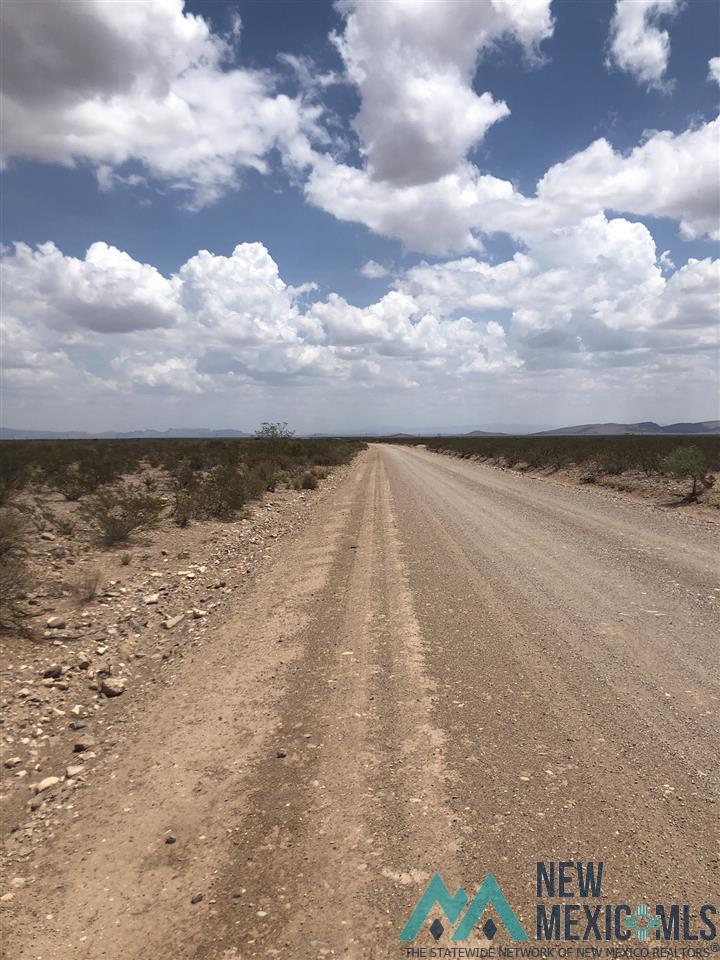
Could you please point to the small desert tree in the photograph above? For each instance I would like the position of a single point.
(274, 431)
(687, 461)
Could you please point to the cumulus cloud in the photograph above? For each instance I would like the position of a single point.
(413, 66)
(589, 296)
(218, 322)
(667, 176)
(637, 44)
(582, 295)
(373, 270)
(714, 69)
(107, 82)
(106, 292)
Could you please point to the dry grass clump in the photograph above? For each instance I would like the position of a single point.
(86, 586)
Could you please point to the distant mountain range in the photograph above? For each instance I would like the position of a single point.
(9, 433)
(645, 428)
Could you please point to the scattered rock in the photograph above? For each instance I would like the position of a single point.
(197, 898)
(198, 614)
(46, 784)
(170, 838)
(53, 672)
(152, 599)
(172, 621)
(55, 623)
(112, 686)
(74, 771)
(12, 762)
(280, 754)
(83, 743)
(46, 535)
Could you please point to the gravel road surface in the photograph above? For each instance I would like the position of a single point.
(452, 669)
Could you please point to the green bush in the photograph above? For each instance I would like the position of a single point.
(221, 494)
(115, 513)
(687, 461)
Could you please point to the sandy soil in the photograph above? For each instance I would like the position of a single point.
(447, 668)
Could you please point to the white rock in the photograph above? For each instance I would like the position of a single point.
(46, 784)
(152, 599)
(172, 621)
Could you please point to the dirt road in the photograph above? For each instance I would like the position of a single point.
(453, 669)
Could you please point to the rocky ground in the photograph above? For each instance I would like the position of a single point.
(108, 627)
(433, 666)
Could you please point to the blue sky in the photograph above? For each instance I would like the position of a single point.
(535, 193)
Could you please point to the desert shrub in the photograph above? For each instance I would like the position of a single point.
(184, 506)
(220, 494)
(687, 461)
(14, 576)
(85, 586)
(613, 455)
(115, 513)
(308, 481)
(13, 477)
(70, 482)
(64, 526)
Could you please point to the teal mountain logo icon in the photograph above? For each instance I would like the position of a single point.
(453, 906)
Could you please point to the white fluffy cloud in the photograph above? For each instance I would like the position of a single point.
(714, 69)
(637, 44)
(372, 270)
(413, 65)
(106, 292)
(590, 295)
(218, 321)
(669, 175)
(108, 81)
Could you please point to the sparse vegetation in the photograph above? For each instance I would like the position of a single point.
(13, 569)
(308, 481)
(86, 586)
(596, 455)
(687, 461)
(114, 514)
(13, 477)
(86, 492)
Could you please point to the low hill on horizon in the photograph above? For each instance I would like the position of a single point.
(644, 428)
(9, 433)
